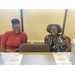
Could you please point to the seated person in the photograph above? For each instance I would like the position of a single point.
(57, 42)
(11, 40)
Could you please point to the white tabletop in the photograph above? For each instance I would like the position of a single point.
(36, 58)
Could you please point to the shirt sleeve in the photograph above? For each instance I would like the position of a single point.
(64, 36)
(46, 38)
(24, 38)
(4, 38)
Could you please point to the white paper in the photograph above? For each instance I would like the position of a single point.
(61, 59)
(1, 59)
(6, 55)
(14, 59)
(72, 55)
(66, 53)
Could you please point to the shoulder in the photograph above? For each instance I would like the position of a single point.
(63, 36)
(8, 32)
(47, 36)
(23, 34)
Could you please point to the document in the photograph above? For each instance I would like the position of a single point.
(66, 53)
(6, 55)
(1, 59)
(14, 59)
(61, 59)
(72, 54)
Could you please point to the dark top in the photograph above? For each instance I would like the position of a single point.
(58, 45)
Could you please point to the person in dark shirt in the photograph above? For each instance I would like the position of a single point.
(57, 42)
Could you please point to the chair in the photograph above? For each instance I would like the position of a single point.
(69, 41)
(31, 47)
(0, 38)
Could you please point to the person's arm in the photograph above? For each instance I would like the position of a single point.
(47, 43)
(68, 47)
(15, 50)
(2, 48)
(24, 38)
(52, 50)
(3, 41)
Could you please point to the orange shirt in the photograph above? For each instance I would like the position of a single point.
(12, 41)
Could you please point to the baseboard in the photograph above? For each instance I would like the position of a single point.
(35, 41)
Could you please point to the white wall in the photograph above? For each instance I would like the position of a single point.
(36, 21)
(6, 15)
(70, 24)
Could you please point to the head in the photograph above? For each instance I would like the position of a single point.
(54, 29)
(16, 26)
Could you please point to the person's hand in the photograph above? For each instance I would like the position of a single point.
(53, 51)
(15, 50)
(11, 51)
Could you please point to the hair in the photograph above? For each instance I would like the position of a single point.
(51, 25)
(15, 21)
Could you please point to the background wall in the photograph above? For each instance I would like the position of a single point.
(6, 15)
(36, 21)
(70, 24)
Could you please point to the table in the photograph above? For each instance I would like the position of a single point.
(39, 58)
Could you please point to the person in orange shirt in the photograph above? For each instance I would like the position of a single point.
(11, 40)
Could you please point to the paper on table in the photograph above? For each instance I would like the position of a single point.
(66, 53)
(14, 59)
(72, 55)
(5, 56)
(1, 59)
(61, 59)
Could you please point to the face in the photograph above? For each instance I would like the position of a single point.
(16, 28)
(53, 31)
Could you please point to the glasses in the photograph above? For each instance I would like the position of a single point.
(16, 27)
(53, 29)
